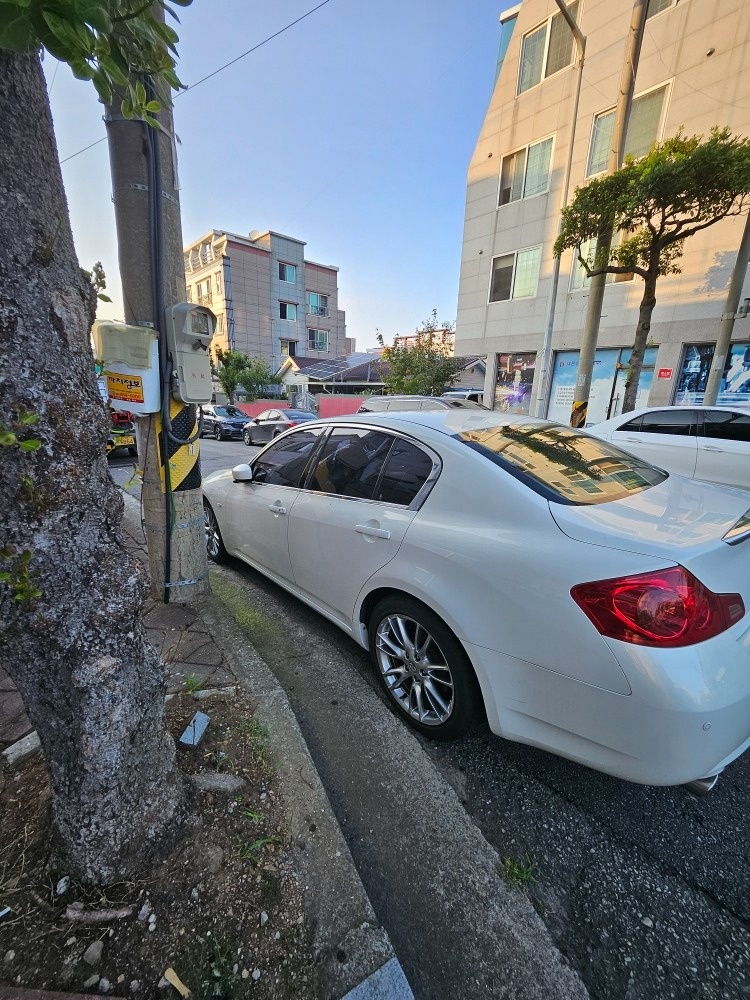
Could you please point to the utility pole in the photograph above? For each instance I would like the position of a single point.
(546, 353)
(143, 163)
(727, 320)
(579, 410)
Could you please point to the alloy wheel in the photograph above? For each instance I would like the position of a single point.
(214, 544)
(414, 669)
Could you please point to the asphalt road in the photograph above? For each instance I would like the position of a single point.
(645, 891)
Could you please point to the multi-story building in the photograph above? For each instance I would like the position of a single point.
(269, 301)
(692, 75)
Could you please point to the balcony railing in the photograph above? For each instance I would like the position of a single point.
(317, 310)
(204, 298)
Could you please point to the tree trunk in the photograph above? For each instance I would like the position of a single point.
(648, 302)
(92, 686)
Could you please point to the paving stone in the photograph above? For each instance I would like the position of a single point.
(6, 684)
(169, 616)
(11, 732)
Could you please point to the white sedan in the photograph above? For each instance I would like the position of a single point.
(704, 442)
(517, 570)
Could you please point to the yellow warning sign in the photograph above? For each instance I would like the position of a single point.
(127, 388)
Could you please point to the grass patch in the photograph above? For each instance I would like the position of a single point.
(192, 684)
(518, 872)
(255, 623)
(252, 850)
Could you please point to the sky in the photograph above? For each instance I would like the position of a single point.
(352, 131)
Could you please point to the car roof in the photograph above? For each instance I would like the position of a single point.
(632, 414)
(450, 421)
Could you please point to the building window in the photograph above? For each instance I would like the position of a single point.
(546, 50)
(317, 304)
(525, 172)
(217, 282)
(507, 24)
(579, 279)
(643, 130)
(288, 310)
(287, 272)
(515, 275)
(288, 348)
(657, 6)
(317, 340)
(203, 292)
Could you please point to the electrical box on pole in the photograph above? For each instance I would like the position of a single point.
(190, 329)
(130, 364)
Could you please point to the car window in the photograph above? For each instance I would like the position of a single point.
(351, 462)
(273, 415)
(727, 426)
(228, 411)
(677, 421)
(631, 425)
(283, 463)
(405, 404)
(563, 464)
(405, 473)
(263, 415)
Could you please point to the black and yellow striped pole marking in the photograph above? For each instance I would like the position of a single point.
(184, 459)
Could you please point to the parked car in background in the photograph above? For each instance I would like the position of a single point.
(222, 422)
(121, 433)
(499, 566)
(703, 442)
(381, 404)
(270, 423)
(474, 395)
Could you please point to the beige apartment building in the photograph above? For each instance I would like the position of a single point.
(693, 73)
(268, 300)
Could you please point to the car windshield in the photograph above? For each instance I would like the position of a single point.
(228, 411)
(563, 464)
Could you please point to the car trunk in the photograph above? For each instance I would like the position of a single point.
(680, 519)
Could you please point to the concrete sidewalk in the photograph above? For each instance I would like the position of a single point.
(337, 906)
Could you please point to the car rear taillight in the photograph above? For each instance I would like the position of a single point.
(667, 608)
(292, 423)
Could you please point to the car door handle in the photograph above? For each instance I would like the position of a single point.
(636, 439)
(712, 447)
(367, 529)
(276, 508)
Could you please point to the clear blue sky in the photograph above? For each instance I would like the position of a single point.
(352, 131)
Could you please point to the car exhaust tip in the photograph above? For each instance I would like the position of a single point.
(701, 786)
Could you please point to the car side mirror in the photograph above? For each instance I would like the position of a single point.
(242, 473)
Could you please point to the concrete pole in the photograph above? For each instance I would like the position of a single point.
(579, 410)
(173, 521)
(543, 380)
(727, 320)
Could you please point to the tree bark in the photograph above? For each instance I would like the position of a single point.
(648, 302)
(92, 685)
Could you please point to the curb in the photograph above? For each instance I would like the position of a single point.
(356, 957)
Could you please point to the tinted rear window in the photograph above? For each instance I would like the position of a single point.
(562, 463)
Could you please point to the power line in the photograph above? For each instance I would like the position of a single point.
(231, 62)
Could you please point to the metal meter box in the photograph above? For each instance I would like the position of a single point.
(190, 329)
(130, 365)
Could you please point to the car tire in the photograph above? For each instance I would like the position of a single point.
(452, 705)
(218, 433)
(214, 543)
(247, 438)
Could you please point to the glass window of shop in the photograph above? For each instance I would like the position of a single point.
(734, 389)
(515, 375)
(607, 383)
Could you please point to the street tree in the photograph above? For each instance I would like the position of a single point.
(70, 594)
(424, 367)
(680, 187)
(235, 369)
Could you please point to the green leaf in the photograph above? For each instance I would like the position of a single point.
(7, 438)
(103, 86)
(17, 32)
(111, 66)
(154, 106)
(103, 297)
(26, 419)
(140, 93)
(31, 444)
